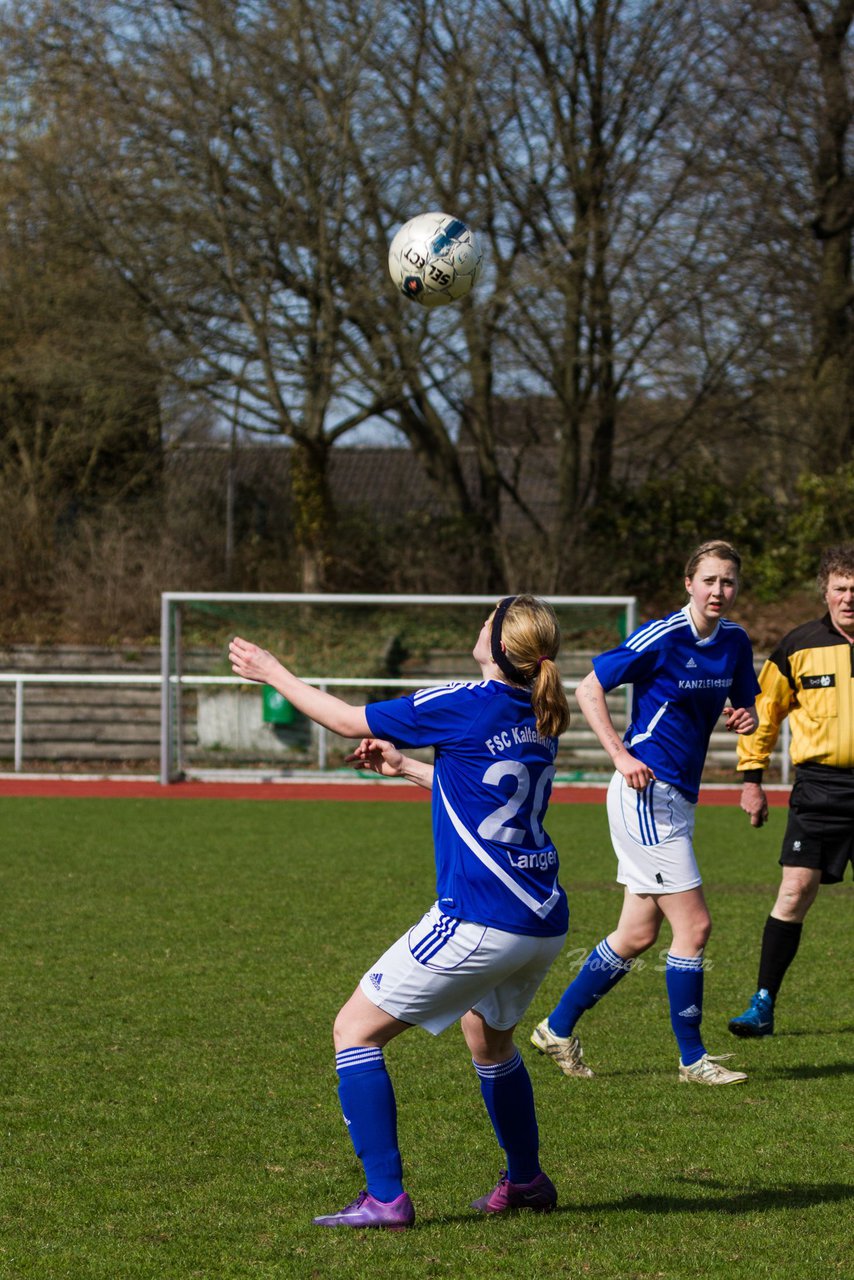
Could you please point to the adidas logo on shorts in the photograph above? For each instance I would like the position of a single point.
(376, 980)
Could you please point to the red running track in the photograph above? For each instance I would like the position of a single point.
(144, 789)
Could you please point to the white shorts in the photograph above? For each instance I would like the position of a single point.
(652, 832)
(443, 967)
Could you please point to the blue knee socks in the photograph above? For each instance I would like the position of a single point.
(509, 1099)
(684, 978)
(601, 971)
(370, 1113)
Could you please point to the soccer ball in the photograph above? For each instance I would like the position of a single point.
(434, 259)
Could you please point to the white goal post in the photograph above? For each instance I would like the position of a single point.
(173, 678)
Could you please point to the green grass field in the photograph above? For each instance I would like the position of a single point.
(170, 972)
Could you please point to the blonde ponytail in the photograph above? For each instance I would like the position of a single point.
(531, 637)
(548, 700)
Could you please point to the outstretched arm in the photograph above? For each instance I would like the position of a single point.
(591, 699)
(385, 759)
(251, 662)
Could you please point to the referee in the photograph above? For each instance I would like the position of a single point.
(809, 678)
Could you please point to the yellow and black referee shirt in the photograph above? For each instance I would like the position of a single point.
(809, 678)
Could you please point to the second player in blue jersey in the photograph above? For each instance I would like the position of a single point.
(685, 669)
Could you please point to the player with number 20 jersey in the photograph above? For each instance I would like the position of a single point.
(493, 773)
(480, 952)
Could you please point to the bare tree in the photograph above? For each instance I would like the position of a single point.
(440, 68)
(780, 149)
(79, 385)
(828, 27)
(601, 164)
(208, 159)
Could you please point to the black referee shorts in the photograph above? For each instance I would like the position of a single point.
(820, 830)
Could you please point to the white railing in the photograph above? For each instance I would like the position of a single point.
(20, 679)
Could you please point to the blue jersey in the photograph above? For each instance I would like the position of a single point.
(495, 865)
(681, 685)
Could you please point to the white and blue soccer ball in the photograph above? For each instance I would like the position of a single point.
(434, 259)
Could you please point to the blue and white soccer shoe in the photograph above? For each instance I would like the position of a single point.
(757, 1020)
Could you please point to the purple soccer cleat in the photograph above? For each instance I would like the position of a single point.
(365, 1211)
(539, 1194)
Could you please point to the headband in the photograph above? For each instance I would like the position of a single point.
(499, 657)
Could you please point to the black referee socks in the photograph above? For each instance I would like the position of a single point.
(780, 941)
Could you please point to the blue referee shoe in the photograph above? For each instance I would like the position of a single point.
(758, 1020)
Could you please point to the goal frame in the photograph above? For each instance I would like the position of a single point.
(172, 677)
